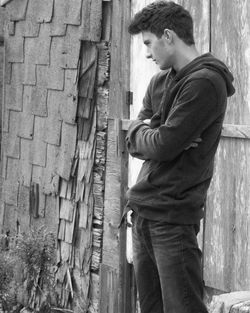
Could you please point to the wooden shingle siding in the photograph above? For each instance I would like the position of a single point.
(15, 44)
(17, 11)
(55, 135)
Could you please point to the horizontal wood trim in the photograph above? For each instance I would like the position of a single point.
(126, 123)
(229, 130)
(236, 131)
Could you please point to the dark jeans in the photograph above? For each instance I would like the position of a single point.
(167, 263)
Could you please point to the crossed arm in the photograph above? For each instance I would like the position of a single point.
(196, 108)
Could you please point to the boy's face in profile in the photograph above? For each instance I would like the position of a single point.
(160, 50)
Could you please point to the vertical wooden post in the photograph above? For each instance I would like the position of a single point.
(114, 241)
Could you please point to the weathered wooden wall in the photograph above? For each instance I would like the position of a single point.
(227, 236)
(56, 95)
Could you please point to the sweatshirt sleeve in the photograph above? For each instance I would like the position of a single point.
(195, 109)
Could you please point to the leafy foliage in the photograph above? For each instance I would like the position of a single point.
(31, 258)
(36, 250)
(7, 273)
(7, 264)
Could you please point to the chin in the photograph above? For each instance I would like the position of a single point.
(164, 67)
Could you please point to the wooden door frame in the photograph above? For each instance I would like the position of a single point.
(117, 287)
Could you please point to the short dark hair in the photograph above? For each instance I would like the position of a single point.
(161, 15)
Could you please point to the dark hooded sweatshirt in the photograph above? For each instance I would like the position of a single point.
(173, 181)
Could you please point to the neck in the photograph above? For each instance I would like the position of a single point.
(184, 55)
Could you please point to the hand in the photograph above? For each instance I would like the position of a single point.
(194, 144)
(147, 121)
(129, 219)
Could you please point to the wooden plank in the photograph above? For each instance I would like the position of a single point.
(67, 210)
(109, 289)
(91, 20)
(226, 254)
(106, 20)
(61, 231)
(236, 131)
(66, 250)
(67, 150)
(231, 44)
(200, 12)
(227, 231)
(114, 187)
(70, 228)
(120, 60)
(52, 214)
(112, 202)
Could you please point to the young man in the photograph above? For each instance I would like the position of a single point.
(185, 101)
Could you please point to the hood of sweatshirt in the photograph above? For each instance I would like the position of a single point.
(210, 62)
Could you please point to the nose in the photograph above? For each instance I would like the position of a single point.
(148, 54)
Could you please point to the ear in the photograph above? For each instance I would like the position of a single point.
(168, 35)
